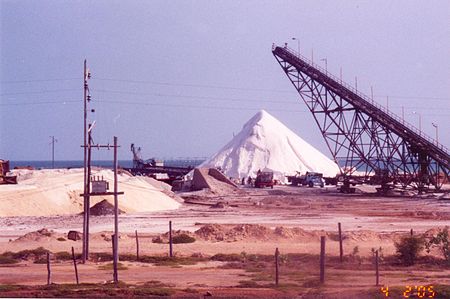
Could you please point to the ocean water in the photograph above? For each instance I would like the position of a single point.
(98, 163)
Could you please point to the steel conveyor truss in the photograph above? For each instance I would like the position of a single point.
(371, 142)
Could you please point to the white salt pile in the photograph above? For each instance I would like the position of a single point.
(57, 192)
(264, 142)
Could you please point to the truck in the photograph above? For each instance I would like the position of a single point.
(309, 179)
(264, 179)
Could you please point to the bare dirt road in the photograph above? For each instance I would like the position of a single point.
(254, 223)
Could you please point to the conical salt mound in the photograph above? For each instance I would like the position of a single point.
(264, 142)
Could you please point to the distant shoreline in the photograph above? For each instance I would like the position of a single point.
(46, 164)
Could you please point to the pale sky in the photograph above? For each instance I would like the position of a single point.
(178, 78)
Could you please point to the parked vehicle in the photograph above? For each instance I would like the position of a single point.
(264, 179)
(309, 179)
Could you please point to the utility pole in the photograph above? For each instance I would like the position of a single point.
(53, 150)
(86, 98)
(88, 187)
(116, 218)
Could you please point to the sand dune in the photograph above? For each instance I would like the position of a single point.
(56, 192)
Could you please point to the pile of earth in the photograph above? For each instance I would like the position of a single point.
(41, 235)
(164, 238)
(103, 208)
(231, 233)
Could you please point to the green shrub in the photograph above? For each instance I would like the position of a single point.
(441, 241)
(182, 238)
(154, 291)
(7, 260)
(248, 284)
(63, 255)
(408, 249)
(101, 256)
(41, 260)
(110, 266)
(233, 257)
(37, 253)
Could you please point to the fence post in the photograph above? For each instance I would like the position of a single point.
(322, 259)
(277, 264)
(49, 271)
(75, 265)
(412, 232)
(341, 250)
(137, 245)
(170, 239)
(377, 273)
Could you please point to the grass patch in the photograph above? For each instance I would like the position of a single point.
(7, 260)
(9, 288)
(153, 291)
(248, 284)
(30, 253)
(171, 261)
(63, 256)
(222, 257)
(88, 290)
(100, 256)
(182, 238)
(190, 291)
(261, 276)
(110, 266)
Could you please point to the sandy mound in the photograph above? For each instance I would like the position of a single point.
(256, 232)
(103, 208)
(57, 192)
(42, 235)
(212, 180)
(164, 238)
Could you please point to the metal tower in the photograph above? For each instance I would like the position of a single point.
(368, 138)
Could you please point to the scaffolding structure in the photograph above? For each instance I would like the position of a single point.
(374, 144)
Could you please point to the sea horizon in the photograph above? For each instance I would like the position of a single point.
(48, 164)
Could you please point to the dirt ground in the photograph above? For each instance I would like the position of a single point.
(251, 222)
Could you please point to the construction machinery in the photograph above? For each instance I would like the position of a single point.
(155, 168)
(5, 177)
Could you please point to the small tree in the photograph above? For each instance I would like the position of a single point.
(409, 248)
(441, 241)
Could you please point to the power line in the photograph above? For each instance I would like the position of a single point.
(192, 85)
(249, 89)
(70, 101)
(38, 91)
(194, 106)
(39, 80)
(194, 97)
(40, 103)
(414, 97)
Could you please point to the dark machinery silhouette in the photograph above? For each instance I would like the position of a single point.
(155, 169)
(365, 136)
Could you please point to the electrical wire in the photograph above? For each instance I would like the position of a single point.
(252, 89)
(40, 91)
(41, 103)
(192, 85)
(40, 80)
(193, 97)
(195, 106)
